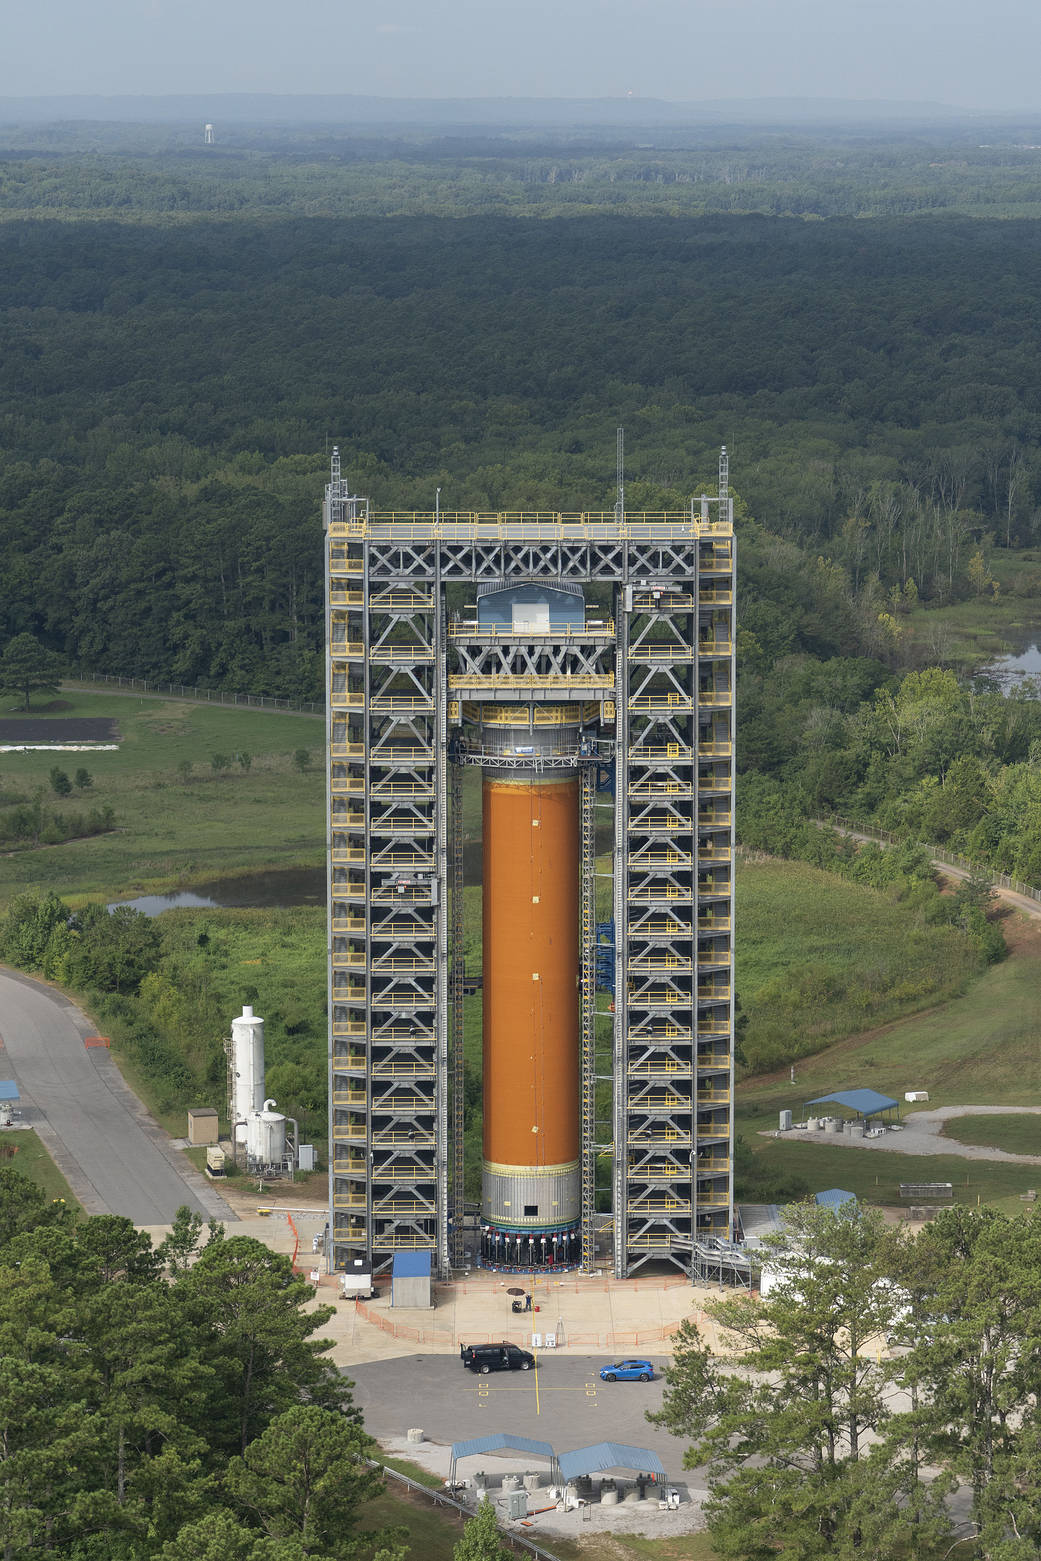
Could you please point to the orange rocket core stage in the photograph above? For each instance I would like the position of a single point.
(531, 968)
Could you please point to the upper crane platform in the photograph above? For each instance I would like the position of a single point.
(351, 517)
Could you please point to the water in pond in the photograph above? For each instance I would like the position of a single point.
(156, 904)
(285, 886)
(280, 888)
(1009, 670)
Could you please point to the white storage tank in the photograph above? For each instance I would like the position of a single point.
(247, 1067)
(265, 1136)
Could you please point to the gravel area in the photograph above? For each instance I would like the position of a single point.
(626, 1517)
(921, 1134)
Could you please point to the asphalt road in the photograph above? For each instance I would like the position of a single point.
(563, 1403)
(112, 1154)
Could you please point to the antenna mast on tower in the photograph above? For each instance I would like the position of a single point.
(619, 508)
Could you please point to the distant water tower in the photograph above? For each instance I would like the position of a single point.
(207, 134)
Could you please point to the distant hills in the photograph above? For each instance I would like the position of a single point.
(291, 109)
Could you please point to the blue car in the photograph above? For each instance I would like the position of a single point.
(628, 1371)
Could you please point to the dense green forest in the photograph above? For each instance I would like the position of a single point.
(181, 340)
(184, 334)
(879, 1399)
(170, 1402)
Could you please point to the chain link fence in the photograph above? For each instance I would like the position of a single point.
(849, 826)
(208, 696)
(438, 1498)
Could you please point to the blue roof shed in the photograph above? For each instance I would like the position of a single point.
(863, 1102)
(610, 1455)
(834, 1198)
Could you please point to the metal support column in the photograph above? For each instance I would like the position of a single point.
(588, 953)
(457, 973)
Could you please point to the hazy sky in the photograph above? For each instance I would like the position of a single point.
(969, 53)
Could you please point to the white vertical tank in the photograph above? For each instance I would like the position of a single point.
(265, 1136)
(247, 1064)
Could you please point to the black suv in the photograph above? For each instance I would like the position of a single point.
(495, 1357)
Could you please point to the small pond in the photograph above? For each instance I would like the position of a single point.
(285, 887)
(280, 889)
(1009, 669)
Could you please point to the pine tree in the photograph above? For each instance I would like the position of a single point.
(480, 1541)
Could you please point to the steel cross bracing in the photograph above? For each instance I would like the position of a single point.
(457, 973)
(674, 1056)
(588, 997)
(398, 675)
(389, 952)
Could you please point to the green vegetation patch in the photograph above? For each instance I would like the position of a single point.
(820, 957)
(875, 1174)
(212, 962)
(1013, 1133)
(197, 791)
(22, 1150)
(978, 1050)
(433, 1532)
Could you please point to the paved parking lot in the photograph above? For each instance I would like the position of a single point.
(562, 1402)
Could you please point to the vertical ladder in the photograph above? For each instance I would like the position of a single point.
(456, 974)
(588, 934)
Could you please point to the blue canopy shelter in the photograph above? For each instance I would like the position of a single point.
(9, 1090)
(603, 1456)
(495, 1442)
(834, 1198)
(864, 1103)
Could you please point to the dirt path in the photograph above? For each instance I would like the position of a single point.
(1021, 902)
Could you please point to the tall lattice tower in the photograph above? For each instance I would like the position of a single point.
(573, 712)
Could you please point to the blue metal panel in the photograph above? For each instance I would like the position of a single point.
(497, 1440)
(609, 1455)
(411, 1265)
(865, 1102)
(605, 955)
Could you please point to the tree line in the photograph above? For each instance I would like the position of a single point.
(168, 393)
(881, 1386)
(170, 1402)
(923, 755)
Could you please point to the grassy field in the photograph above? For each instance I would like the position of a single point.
(30, 1159)
(433, 1532)
(979, 1049)
(820, 957)
(173, 830)
(1016, 1134)
(875, 1175)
